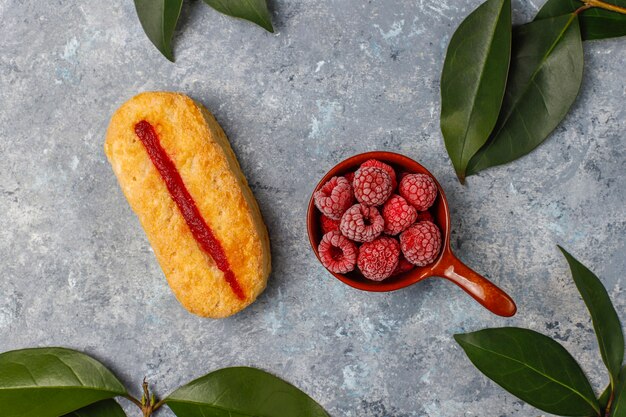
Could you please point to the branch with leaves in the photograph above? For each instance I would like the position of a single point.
(504, 89)
(57, 382)
(539, 370)
(159, 17)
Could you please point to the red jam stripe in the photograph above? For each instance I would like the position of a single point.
(175, 185)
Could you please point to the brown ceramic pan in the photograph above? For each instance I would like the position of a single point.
(446, 266)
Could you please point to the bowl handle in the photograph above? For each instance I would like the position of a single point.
(484, 291)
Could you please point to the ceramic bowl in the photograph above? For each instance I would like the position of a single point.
(446, 266)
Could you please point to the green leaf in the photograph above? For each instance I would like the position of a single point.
(532, 367)
(50, 382)
(240, 392)
(253, 10)
(106, 408)
(473, 80)
(595, 23)
(158, 19)
(544, 79)
(603, 315)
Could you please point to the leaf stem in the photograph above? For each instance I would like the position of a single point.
(158, 405)
(134, 400)
(582, 9)
(609, 403)
(603, 5)
(147, 400)
(148, 404)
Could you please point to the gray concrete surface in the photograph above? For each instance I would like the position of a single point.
(337, 78)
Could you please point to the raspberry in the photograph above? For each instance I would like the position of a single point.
(388, 169)
(337, 253)
(421, 243)
(372, 186)
(423, 216)
(350, 177)
(403, 266)
(361, 223)
(379, 258)
(419, 190)
(328, 224)
(334, 198)
(398, 215)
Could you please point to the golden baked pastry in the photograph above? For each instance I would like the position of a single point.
(180, 176)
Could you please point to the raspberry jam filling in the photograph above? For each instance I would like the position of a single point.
(199, 229)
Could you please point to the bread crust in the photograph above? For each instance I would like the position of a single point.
(199, 148)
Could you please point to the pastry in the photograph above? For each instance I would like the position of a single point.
(180, 176)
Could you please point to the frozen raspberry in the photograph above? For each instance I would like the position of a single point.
(334, 198)
(388, 169)
(423, 216)
(372, 186)
(362, 223)
(398, 215)
(328, 224)
(419, 190)
(337, 253)
(350, 177)
(403, 266)
(379, 258)
(421, 243)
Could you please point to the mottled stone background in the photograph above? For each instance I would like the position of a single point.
(337, 78)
